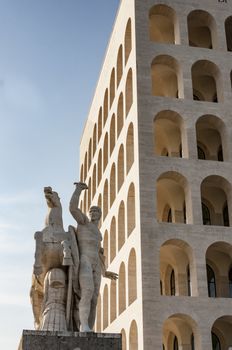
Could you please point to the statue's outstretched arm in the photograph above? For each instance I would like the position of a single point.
(107, 274)
(75, 211)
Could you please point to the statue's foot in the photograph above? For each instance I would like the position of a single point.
(85, 328)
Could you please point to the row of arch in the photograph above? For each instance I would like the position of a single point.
(167, 79)
(118, 295)
(120, 228)
(124, 101)
(118, 170)
(173, 200)
(178, 275)
(170, 137)
(202, 28)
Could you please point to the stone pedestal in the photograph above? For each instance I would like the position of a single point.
(40, 340)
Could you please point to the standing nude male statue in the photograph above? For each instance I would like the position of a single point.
(91, 258)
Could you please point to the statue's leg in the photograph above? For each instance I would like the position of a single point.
(87, 289)
(97, 283)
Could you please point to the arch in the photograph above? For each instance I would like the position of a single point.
(123, 339)
(218, 264)
(89, 193)
(221, 333)
(94, 139)
(105, 152)
(169, 134)
(163, 25)
(99, 167)
(131, 209)
(178, 332)
(166, 77)
(112, 133)
(99, 204)
(112, 239)
(112, 87)
(105, 308)
(113, 302)
(82, 173)
(120, 114)
(105, 199)
(202, 29)
(112, 184)
(106, 249)
(119, 65)
(172, 193)
(133, 336)
(127, 40)
(121, 225)
(129, 91)
(210, 131)
(132, 277)
(206, 81)
(99, 319)
(90, 154)
(106, 106)
(214, 193)
(94, 183)
(228, 26)
(99, 124)
(120, 167)
(129, 148)
(85, 166)
(122, 289)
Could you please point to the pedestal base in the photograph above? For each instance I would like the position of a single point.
(40, 340)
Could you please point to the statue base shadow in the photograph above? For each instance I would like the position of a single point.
(41, 340)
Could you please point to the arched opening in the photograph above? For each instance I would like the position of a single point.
(166, 77)
(122, 289)
(168, 128)
(120, 115)
(112, 239)
(89, 193)
(82, 173)
(176, 266)
(94, 139)
(180, 331)
(105, 200)
(127, 41)
(99, 319)
(218, 265)
(99, 204)
(132, 277)
(214, 191)
(119, 65)
(90, 154)
(105, 152)
(209, 129)
(113, 305)
(201, 29)
(112, 87)
(99, 124)
(130, 210)
(94, 184)
(106, 106)
(120, 167)
(85, 166)
(221, 333)
(112, 184)
(228, 29)
(99, 167)
(112, 134)
(206, 82)
(105, 308)
(123, 339)
(121, 225)
(172, 201)
(129, 91)
(163, 25)
(133, 337)
(129, 148)
(106, 249)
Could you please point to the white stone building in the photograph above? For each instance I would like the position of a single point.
(156, 153)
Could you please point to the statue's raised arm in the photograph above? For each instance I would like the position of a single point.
(74, 209)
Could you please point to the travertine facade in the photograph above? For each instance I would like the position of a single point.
(156, 154)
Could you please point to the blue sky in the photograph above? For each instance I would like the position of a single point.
(51, 53)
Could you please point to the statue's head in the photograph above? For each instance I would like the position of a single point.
(52, 197)
(95, 213)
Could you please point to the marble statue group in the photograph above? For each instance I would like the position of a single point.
(68, 267)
